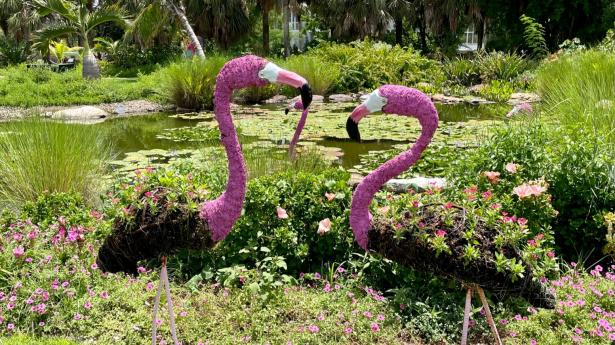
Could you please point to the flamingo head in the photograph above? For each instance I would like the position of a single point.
(374, 102)
(274, 74)
(293, 105)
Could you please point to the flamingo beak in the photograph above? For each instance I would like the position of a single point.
(275, 74)
(352, 124)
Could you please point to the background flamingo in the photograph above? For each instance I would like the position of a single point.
(304, 113)
(157, 235)
(400, 100)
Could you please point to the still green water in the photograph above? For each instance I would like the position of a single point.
(325, 127)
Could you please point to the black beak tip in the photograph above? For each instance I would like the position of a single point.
(286, 111)
(352, 128)
(306, 95)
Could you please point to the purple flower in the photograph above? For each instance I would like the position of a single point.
(374, 326)
(104, 295)
(340, 269)
(41, 324)
(18, 251)
(316, 275)
(10, 326)
(313, 329)
(65, 284)
(348, 330)
(367, 314)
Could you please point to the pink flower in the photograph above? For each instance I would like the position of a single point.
(87, 305)
(65, 284)
(313, 329)
(316, 275)
(158, 322)
(104, 295)
(321, 317)
(78, 316)
(551, 254)
(94, 266)
(348, 330)
(183, 313)
(367, 314)
(440, 233)
(533, 342)
(41, 324)
(281, 213)
(522, 221)
(341, 269)
(18, 251)
(330, 196)
(374, 326)
(380, 317)
(10, 326)
(141, 269)
(324, 226)
(527, 190)
(327, 288)
(492, 176)
(512, 168)
(149, 286)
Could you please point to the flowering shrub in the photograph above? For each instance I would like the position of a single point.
(585, 313)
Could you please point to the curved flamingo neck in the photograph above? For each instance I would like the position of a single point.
(222, 213)
(401, 101)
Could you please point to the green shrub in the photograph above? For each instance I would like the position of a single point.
(578, 171)
(461, 71)
(500, 66)
(23, 339)
(321, 76)
(252, 95)
(365, 65)
(128, 56)
(39, 155)
(534, 36)
(23, 87)
(497, 91)
(13, 52)
(190, 84)
(579, 92)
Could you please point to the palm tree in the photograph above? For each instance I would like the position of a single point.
(74, 18)
(350, 19)
(18, 19)
(222, 21)
(399, 9)
(265, 7)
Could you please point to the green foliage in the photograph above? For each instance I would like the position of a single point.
(320, 75)
(36, 86)
(23, 339)
(13, 52)
(366, 65)
(497, 91)
(73, 299)
(253, 95)
(534, 36)
(41, 155)
(583, 317)
(462, 71)
(500, 66)
(579, 92)
(127, 56)
(578, 172)
(190, 84)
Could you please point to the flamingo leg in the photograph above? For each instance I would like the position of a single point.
(165, 278)
(466, 317)
(494, 329)
(155, 314)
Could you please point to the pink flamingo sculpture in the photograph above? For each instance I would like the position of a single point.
(304, 113)
(400, 100)
(157, 235)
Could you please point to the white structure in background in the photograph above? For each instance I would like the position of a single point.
(469, 40)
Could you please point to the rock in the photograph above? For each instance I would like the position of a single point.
(133, 107)
(523, 97)
(340, 98)
(476, 100)
(81, 114)
(417, 183)
(440, 98)
(315, 99)
(277, 99)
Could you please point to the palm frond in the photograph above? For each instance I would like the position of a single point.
(150, 22)
(105, 15)
(43, 37)
(62, 8)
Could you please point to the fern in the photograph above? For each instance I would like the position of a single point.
(534, 35)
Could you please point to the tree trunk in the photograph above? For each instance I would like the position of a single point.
(286, 9)
(180, 12)
(399, 30)
(4, 25)
(480, 27)
(265, 13)
(422, 28)
(90, 65)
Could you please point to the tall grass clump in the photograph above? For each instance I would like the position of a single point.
(39, 155)
(461, 71)
(321, 76)
(579, 90)
(190, 84)
(501, 66)
(263, 161)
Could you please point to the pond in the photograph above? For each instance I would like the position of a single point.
(158, 137)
